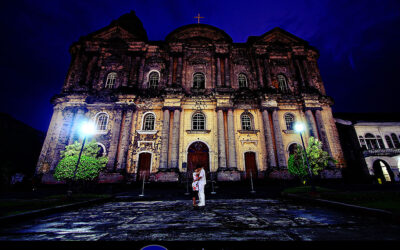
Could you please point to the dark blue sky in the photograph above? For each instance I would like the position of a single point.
(358, 42)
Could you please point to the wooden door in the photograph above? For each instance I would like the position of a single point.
(144, 166)
(198, 155)
(250, 164)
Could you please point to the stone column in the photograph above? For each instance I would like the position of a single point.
(278, 140)
(322, 132)
(49, 137)
(164, 140)
(268, 139)
(141, 81)
(311, 124)
(221, 140)
(124, 144)
(293, 73)
(267, 73)
(179, 70)
(115, 131)
(171, 68)
(79, 118)
(137, 68)
(260, 76)
(227, 76)
(218, 72)
(307, 72)
(300, 72)
(231, 141)
(62, 140)
(175, 139)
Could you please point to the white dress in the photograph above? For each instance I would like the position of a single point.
(202, 183)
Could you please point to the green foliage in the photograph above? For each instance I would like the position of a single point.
(297, 163)
(89, 165)
(317, 157)
(91, 149)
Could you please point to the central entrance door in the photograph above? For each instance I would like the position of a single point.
(198, 154)
(251, 165)
(144, 166)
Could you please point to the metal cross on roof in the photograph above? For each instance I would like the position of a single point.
(198, 17)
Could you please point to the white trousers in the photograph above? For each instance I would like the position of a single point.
(202, 197)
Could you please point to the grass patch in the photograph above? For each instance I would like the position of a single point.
(385, 200)
(305, 189)
(17, 206)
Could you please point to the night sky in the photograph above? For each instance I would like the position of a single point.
(359, 43)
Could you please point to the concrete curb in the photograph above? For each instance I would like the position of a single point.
(51, 210)
(344, 206)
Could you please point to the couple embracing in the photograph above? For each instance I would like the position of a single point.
(199, 181)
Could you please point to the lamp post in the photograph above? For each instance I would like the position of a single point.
(87, 129)
(299, 127)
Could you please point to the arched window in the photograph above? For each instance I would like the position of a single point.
(380, 142)
(283, 83)
(362, 142)
(242, 79)
(292, 148)
(101, 121)
(102, 150)
(110, 81)
(371, 141)
(154, 79)
(289, 119)
(247, 123)
(198, 81)
(198, 121)
(148, 122)
(389, 141)
(395, 141)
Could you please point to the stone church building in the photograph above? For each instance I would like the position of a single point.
(163, 107)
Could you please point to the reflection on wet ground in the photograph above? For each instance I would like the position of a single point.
(227, 220)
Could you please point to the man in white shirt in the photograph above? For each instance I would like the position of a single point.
(202, 183)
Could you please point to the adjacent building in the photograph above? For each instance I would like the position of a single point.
(196, 98)
(371, 143)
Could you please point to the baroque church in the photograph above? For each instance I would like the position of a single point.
(196, 98)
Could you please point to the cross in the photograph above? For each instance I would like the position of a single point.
(198, 17)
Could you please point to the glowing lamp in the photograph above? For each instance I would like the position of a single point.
(88, 128)
(299, 127)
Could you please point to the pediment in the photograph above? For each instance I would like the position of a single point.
(279, 37)
(199, 32)
(114, 32)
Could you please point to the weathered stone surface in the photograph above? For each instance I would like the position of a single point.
(110, 178)
(228, 175)
(49, 179)
(165, 177)
(331, 174)
(281, 174)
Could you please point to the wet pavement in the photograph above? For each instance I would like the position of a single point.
(221, 220)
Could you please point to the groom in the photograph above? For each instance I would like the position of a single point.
(202, 183)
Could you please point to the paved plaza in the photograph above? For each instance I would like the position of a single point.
(222, 220)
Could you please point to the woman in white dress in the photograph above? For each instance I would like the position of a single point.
(202, 183)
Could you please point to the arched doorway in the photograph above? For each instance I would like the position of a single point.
(198, 154)
(143, 170)
(383, 171)
(250, 165)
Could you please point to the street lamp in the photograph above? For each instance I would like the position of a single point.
(86, 129)
(299, 127)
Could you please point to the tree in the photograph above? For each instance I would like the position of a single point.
(317, 157)
(90, 163)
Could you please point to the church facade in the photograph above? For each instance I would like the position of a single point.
(196, 98)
